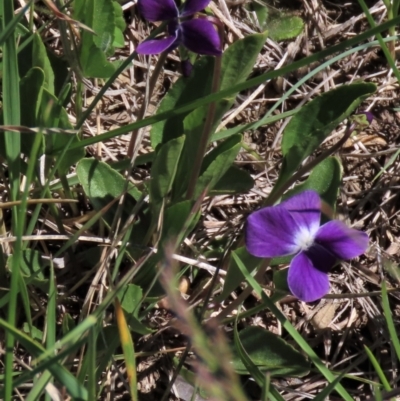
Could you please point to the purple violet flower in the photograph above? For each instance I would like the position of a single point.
(198, 35)
(368, 115)
(293, 228)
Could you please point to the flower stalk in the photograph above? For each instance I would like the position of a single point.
(206, 133)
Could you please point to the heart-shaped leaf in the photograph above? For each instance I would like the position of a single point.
(270, 353)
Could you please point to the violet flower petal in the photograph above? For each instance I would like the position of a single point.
(158, 10)
(269, 233)
(321, 258)
(344, 242)
(200, 36)
(155, 46)
(193, 6)
(305, 281)
(370, 117)
(305, 209)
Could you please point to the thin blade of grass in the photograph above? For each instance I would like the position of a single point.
(51, 315)
(10, 28)
(25, 300)
(91, 358)
(11, 116)
(39, 386)
(389, 320)
(128, 349)
(378, 369)
(69, 339)
(384, 48)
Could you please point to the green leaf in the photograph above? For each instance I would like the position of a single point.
(35, 333)
(119, 40)
(163, 170)
(185, 90)
(270, 353)
(100, 15)
(131, 299)
(261, 12)
(392, 268)
(285, 27)
(178, 221)
(234, 181)
(31, 90)
(102, 185)
(324, 179)
(41, 60)
(315, 121)
(94, 62)
(249, 366)
(60, 67)
(281, 284)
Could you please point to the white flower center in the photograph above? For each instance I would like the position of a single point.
(304, 238)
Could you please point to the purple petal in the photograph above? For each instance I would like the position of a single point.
(158, 10)
(370, 117)
(200, 36)
(305, 281)
(344, 242)
(269, 233)
(155, 46)
(321, 258)
(193, 6)
(305, 209)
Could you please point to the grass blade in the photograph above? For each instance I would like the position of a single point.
(11, 116)
(389, 320)
(128, 349)
(9, 29)
(378, 369)
(51, 315)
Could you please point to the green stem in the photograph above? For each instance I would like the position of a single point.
(205, 135)
(69, 195)
(142, 111)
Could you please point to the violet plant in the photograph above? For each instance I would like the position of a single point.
(293, 228)
(196, 34)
